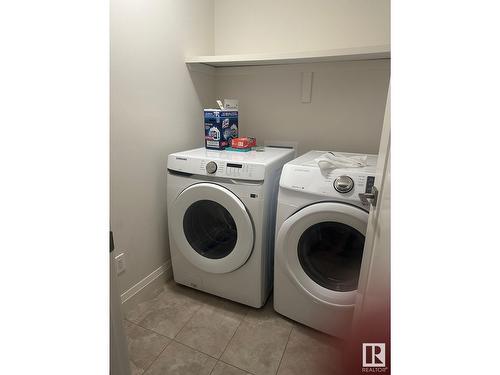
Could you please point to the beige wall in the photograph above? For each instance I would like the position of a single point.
(346, 112)
(262, 26)
(155, 110)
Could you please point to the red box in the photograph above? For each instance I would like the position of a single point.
(243, 142)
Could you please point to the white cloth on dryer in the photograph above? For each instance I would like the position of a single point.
(330, 160)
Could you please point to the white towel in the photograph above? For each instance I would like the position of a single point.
(332, 160)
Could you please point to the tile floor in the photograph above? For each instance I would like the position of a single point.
(184, 331)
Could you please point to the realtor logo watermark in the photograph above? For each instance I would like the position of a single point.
(374, 357)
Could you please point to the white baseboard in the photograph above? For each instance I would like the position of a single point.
(163, 272)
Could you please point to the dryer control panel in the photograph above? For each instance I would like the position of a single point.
(304, 175)
(339, 183)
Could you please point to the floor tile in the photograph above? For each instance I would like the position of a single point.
(143, 347)
(136, 313)
(167, 313)
(178, 359)
(222, 368)
(259, 342)
(212, 326)
(311, 352)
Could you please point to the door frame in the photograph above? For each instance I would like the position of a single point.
(372, 319)
(119, 360)
(374, 279)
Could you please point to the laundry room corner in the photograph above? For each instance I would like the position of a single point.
(155, 109)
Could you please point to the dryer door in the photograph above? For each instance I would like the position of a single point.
(212, 228)
(321, 248)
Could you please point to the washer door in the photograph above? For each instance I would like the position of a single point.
(321, 248)
(212, 228)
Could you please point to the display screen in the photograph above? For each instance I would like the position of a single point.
(231, 165)
(370, 181)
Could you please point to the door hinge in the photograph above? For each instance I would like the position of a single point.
(369, 198)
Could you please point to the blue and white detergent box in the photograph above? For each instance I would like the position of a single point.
(220, 127)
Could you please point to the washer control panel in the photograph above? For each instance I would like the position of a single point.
(233, 170)
(221, 164)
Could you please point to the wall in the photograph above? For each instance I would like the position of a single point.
(155, 110)
(262, 26)
(346, 112)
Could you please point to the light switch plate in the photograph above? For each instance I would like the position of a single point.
(307, 78)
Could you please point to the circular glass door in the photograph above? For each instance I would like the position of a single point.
(330, 254)
(212, 228)
(320, 249)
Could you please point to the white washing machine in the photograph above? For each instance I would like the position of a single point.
(221, 219)
(320, 233)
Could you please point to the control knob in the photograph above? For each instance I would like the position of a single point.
(211, 167)
(343, 184)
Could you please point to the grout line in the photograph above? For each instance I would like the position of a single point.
(234, 333)
(239, 368)
(150, 330)
(231, 364)
(158, 356)
(198, 351)
(171, 338)
(213, 368)
(211, 356)
(284, 350)
(187, 321)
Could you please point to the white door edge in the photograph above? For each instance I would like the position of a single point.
(374, 280)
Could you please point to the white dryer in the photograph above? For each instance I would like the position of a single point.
(320, 233)
(221, 219)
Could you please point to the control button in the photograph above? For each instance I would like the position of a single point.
(211, 167)
(343, 184)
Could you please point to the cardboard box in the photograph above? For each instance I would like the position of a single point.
(244, 142)
(220, 127)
